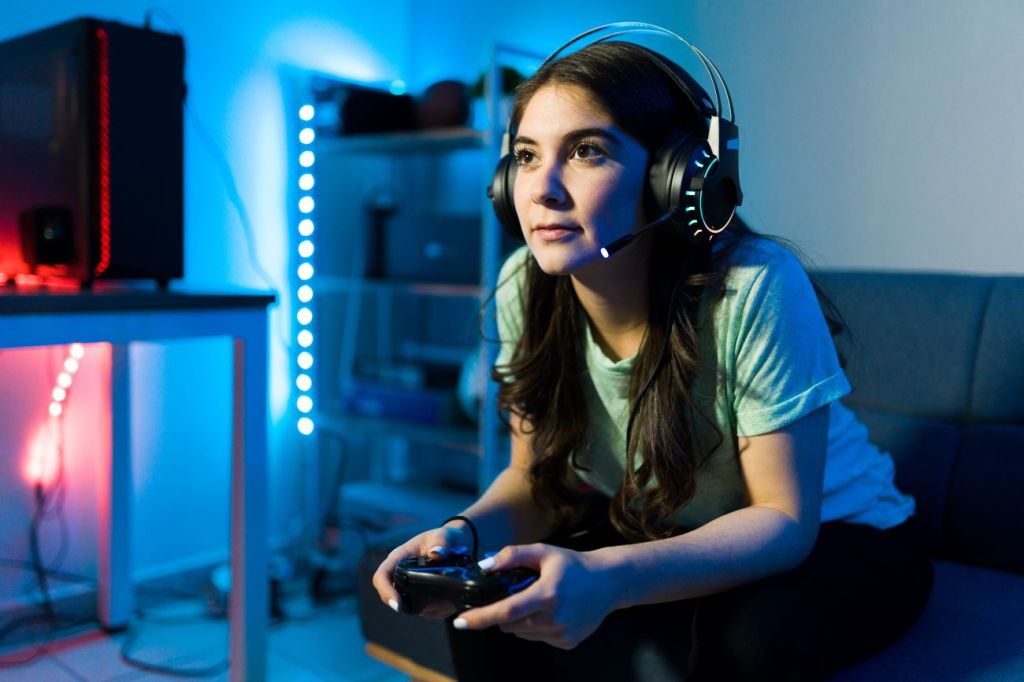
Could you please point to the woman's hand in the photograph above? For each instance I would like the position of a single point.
(436, 543)
(570, 599)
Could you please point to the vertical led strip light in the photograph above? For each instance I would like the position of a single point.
(104, 124)
(304, 293)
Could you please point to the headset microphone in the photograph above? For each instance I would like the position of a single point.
(622, 242)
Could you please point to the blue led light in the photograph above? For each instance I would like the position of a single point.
(305, 249)
(706, 173)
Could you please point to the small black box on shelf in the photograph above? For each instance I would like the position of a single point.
(431, 248)
(366, 110)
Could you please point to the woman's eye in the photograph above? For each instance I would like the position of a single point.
(523, 157)
(587, 151)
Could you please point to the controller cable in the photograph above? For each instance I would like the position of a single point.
(472, 530)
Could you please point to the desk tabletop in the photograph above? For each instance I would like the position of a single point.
(20, 301)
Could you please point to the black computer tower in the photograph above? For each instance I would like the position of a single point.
(91, 163)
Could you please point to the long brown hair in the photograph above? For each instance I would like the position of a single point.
(542, 381)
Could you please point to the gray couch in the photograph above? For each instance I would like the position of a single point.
(937, 366)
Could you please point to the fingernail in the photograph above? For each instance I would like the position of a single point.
(460, 624)
(393, 604)
(486, 564)
(437, 549)
(460, 550)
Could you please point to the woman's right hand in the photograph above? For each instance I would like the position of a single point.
(436, 543)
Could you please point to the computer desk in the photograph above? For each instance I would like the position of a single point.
(52, 317)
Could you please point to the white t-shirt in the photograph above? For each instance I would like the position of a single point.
(776, 363)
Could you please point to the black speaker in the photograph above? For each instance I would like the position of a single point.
(47, 237)
(91, 168)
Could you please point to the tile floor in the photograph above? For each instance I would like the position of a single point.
(313, 644)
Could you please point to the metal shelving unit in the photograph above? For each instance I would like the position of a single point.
(354, 307)
(348, 301)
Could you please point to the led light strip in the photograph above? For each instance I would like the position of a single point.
(104, 123)
(304, 293)
(64, 380)
(43, 461)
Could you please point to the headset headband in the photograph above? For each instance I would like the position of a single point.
(624, 27)
(618, 28)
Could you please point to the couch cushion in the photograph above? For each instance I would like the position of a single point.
(985, 521)
(998, 391)
(913, 339)
(923, 451)
(972, 629)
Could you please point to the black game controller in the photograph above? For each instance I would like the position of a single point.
(457, 580)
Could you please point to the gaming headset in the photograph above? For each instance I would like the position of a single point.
(693, 181)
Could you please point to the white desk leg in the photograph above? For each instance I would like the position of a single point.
(249, 587)
(115, 500)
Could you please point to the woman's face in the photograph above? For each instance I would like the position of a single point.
(579, 183)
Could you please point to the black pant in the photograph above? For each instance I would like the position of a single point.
(856, 593)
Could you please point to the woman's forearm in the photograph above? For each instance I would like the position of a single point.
(734, 549)
(507, 514)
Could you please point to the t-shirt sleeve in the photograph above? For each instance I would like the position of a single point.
(785, 363)
(508, 299)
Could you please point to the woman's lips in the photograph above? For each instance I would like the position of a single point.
(552, 233)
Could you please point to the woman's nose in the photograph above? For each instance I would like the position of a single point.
(548, 187)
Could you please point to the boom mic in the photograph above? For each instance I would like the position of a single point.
(622, 242)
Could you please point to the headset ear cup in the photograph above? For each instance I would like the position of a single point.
(688, 181)
(501, 193)
(670, 175)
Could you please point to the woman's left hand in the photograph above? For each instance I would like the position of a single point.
(569, 600)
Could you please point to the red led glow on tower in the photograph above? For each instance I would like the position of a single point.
(103, 43)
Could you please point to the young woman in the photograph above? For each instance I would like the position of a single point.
(696, 500)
